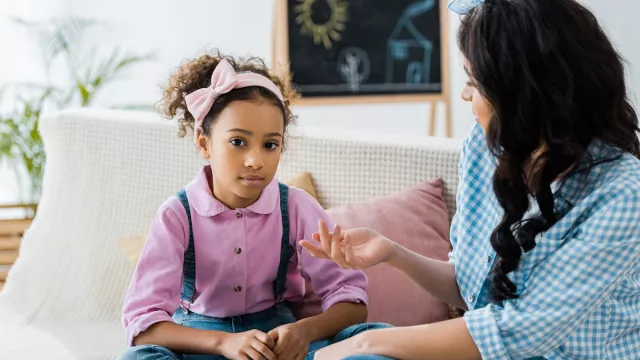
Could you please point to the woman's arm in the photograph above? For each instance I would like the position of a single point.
(362, 248)
(444, 340)
(562, 292)
(435, 276)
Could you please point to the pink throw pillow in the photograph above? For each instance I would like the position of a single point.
(417, 219)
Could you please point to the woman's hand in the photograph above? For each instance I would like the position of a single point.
(358, 248)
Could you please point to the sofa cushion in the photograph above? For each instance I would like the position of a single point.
(416, 218)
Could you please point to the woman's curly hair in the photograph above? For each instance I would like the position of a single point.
(555, 83)
(196, 73)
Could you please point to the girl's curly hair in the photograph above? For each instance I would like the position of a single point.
(196, 73)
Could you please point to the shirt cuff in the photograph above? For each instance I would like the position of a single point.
(142, 322)
(346, 293)
(483, 328)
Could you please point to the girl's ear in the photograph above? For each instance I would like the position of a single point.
(202, 142)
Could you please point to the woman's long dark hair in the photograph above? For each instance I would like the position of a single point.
(555, 83)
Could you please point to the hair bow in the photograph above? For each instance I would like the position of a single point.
(223, 80)
(463, 7)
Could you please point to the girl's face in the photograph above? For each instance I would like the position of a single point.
(243, 148)
(479, 105)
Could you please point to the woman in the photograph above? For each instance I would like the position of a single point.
(546, 236)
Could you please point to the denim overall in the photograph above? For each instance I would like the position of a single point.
(265, 320)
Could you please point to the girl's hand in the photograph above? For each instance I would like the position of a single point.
(358, 248)
(253, 344)
(291, 342)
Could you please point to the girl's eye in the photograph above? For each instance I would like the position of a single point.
(470, 83)
(271, 145)
(237, 142)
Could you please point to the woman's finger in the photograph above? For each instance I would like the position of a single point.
(314, 250)
(348, 252)
(337, 253)
(325, 237)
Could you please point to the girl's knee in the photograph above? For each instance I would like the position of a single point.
(148, 352)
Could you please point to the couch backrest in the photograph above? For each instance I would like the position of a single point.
(107, 173)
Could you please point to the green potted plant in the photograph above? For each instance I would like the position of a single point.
(59, 40)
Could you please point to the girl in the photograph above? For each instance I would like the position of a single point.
(220, 251)
(546, 237)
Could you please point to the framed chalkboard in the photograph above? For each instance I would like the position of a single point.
(354, 51)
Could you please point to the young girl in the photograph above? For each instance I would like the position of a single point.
(546, 237)
(220, 265)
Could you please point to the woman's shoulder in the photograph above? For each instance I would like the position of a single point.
(607, 196)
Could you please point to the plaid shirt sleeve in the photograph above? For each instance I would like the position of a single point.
(565, 288)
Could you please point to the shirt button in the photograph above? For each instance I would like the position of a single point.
(238, 288)
(470, 298)
(237, 250)
(238, 215)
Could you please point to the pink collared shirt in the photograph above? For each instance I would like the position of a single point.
(235, 249)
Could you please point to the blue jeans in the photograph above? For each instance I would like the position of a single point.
(264, 321)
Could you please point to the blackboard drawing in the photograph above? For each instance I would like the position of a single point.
(324, 26)
(409, 52)
(354, 67)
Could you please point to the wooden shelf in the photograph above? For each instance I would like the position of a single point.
(12, 227)
(10, 242)
(11, 231)
(4, 271)
(8, 257)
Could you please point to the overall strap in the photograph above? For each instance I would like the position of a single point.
(286, 250)
(189, 264)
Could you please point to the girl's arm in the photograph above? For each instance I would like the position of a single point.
(252, 344)
(182, 339)
(343, 292)
(154, 292)
(330, 322)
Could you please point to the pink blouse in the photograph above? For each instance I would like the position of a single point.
(237, 257)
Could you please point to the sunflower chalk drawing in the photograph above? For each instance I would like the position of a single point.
(322, 32)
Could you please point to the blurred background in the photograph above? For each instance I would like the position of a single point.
(118, 54)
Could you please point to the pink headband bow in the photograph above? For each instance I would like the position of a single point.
(223, 80)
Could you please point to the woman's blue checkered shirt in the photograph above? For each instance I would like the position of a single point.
(580, 285)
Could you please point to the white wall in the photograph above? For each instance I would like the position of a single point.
(619, 17)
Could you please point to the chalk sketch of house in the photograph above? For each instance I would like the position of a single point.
(408, 51)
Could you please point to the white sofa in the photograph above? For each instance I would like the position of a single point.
(107, 172)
